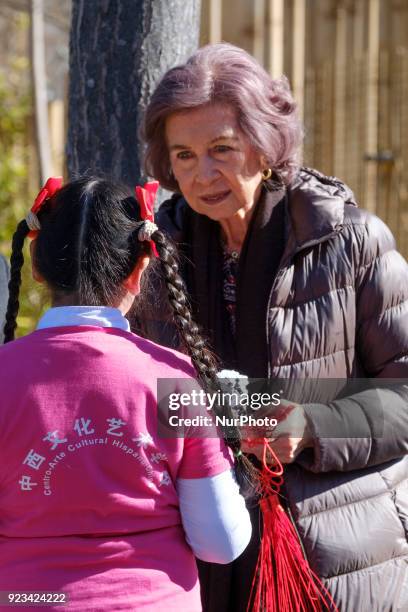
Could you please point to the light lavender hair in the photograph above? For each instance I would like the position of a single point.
(223, 73)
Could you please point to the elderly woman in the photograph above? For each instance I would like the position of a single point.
(289, 279)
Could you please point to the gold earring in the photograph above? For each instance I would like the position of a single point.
(266, 174)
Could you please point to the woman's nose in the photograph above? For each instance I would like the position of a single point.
(206, 170)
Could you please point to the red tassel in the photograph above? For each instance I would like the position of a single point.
(283, 580)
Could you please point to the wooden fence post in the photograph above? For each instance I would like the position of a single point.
(215, 21)
(340, 90)
(275, 34)
(259, 30)
(298, 54)
(372, 104)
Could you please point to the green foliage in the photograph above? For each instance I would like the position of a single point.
(15, 113)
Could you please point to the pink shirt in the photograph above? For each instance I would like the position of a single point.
(88, 503)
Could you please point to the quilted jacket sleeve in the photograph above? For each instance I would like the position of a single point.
(379, 414)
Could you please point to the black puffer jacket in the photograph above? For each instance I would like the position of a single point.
(338, 308)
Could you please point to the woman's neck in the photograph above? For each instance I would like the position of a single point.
(234, 230)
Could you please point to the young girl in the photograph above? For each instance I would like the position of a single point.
(93, 503)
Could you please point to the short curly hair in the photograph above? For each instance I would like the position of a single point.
(223, 73)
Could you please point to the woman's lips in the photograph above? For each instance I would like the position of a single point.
(215, 198)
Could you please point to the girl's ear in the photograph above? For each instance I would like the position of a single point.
(132, 282)
(35, 273)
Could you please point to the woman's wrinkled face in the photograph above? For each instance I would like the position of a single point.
(217, 169)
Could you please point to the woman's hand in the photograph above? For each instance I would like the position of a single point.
(290, 436)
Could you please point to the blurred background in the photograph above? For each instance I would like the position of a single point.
(346, 60)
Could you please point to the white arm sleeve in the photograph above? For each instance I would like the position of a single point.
(215, 519)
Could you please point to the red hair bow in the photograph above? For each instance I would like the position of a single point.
(50, 188)
(146, 196)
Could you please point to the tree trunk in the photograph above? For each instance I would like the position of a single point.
(119, 49)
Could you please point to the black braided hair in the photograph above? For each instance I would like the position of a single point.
(189, 331)
(203, 360)
(16, 264)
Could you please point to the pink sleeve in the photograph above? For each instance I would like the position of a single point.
(203, 457)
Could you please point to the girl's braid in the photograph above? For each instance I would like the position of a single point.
(203, 360)
(16, 263)
(201, 357)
